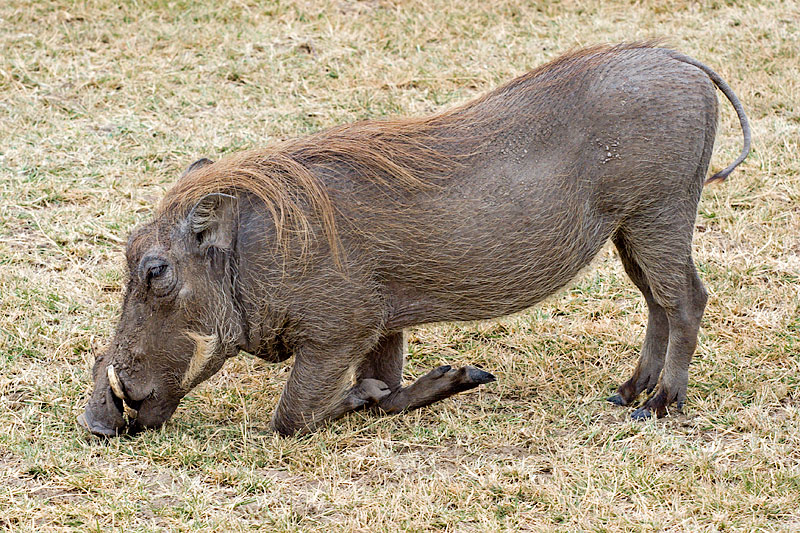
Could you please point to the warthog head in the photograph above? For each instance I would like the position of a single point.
(179, 319)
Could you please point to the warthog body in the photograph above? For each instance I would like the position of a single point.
(326, 248)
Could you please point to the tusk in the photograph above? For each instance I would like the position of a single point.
(113, 380)
(205, 347)
(116, 388)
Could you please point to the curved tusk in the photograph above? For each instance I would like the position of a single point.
(116, 385)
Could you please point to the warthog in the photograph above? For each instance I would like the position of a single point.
(328, 247)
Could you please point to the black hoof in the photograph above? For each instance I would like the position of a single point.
(641, 414)
(438, 372)
(478, 376)
(616, 399)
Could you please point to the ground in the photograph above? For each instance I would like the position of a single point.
(102, 105)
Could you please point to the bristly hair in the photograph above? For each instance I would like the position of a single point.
(395, 154)
(403, 154)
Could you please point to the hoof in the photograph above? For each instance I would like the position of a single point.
(616, 399)
(478, 376)
(641, 414)
(438, 372)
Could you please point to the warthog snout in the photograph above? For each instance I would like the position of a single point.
(105, 413)
(111, 411)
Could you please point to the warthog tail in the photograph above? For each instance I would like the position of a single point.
(737, 105)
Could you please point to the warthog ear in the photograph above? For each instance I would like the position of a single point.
(212, 221)
(200, 163)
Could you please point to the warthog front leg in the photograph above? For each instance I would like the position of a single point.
(319, 389)
(385, 363)
(365, 393)
(436, 385)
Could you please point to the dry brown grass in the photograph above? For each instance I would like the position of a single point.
(103, 103)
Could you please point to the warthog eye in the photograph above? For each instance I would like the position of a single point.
(158, 275)
(155, 271)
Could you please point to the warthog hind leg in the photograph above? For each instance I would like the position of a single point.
(651, 360)
(656, 253)
(684, 323)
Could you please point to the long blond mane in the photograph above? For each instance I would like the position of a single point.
(398, 154)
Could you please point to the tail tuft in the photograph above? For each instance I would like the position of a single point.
(720, 176)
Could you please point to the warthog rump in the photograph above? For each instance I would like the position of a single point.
(327, 248)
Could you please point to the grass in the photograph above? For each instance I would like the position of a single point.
(102, 104)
